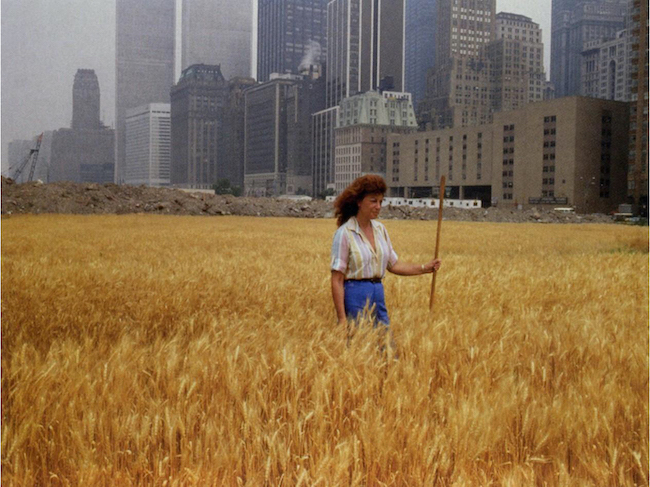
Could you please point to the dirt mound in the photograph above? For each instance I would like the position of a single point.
(90, 198)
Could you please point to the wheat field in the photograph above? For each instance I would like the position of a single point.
(153, 350)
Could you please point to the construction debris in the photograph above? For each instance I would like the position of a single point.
(90, 198)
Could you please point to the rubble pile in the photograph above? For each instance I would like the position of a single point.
(90, 198)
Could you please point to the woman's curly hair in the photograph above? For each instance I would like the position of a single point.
(347, 203)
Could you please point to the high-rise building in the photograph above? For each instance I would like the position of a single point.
(604, 69)
(364, 122)
(291, 35)
(459, 86)
(198, 104)
(517, 62)
(233, 170)
(148, 145)
(419, 46)
(573, 24)
(218, 32)
(144, 50)
(85, 152)
(322, 159)
(366, 45)
(265, 148)
(304, 98)
(85, 100)
(637, 169)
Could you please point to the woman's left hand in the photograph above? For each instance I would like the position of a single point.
(432, 266)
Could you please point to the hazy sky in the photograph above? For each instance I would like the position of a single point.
(44, 42)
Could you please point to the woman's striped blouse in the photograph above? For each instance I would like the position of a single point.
(353, 255)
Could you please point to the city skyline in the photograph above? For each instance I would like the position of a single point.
(36, 78)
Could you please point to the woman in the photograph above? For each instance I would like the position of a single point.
(361, 252)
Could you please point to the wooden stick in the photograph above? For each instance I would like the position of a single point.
(441, 197)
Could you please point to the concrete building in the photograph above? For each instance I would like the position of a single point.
(148, 145)
(234, 127)
(366, 45)
(564, 152)
(85, 152)
(265, 147)
(323, 126)
(198, 104)
(218, 32)
(458, 88)
(517, 62)
(605, 68)
(291, 36)
(83, 156)
(144, 50)
(419, 46)
(85, 100)
(303, 99)
(637, 175)
(364, 122)
(573, 24)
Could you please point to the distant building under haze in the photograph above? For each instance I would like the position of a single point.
(144, 52)
(218, 32)
(291, 36)
(148, 145)
(199, 146)
(85, 152)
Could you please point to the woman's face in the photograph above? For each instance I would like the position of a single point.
(370, 206)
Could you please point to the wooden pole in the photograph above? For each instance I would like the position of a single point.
(441, 197)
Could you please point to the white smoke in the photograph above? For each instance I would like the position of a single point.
(312, 55)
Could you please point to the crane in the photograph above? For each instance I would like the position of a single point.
(33, 157)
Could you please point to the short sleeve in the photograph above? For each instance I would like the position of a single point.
(392, 255)
(340, 250)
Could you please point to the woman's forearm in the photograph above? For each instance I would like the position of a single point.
(338, 295)
(408, 269)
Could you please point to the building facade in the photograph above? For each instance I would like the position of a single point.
(198, 104)
(323, 126)
(459, 87)
(291, 36)
(574, 23)
(517, 62)
(265, 146)
(419, 46)
(303, 99)
(364, 122)
(637, 175)
(218, 32)
(366, 46)
(234, 127)
(563, 152)
(605, 68)
(85, 152)
(148, 145)
(85, 100)
(144, 50)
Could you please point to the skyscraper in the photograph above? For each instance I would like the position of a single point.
(85, 100)
(291, 35)
(637, 169)
(458, 88)
(218, 32)
(198, 104)
(85, 152)
(573, 24)
(419, 48)
(144, 50)
(517, 62)
(148, 145)
(366, 45)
